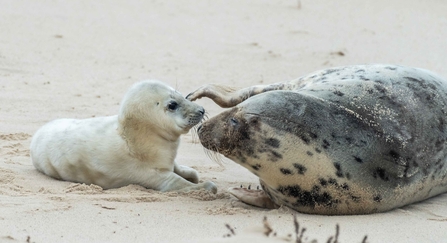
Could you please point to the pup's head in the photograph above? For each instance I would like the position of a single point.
(154, 106)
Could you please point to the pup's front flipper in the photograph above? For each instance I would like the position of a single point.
(186, 172)
(253, 197)
(165, 180)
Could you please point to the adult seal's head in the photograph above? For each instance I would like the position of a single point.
(348, 140)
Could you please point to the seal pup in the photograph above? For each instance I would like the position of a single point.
(137, 146)
(348, 140)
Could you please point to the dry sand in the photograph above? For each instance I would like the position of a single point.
(76, 59)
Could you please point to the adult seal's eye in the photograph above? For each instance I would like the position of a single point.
(234, 121)
(172, 106)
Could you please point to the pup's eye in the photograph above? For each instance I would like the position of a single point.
(172, 106)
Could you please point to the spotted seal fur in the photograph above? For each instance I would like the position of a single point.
(348, 140)
(137, 146)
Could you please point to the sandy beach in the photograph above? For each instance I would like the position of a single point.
(76, 59)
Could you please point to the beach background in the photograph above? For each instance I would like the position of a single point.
(76, 59)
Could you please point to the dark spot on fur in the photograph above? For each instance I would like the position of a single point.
(326, 144)
(415, 164)
(413, 79)
(355, 198)
(256, 166)
(255, 124)
(363, 78)
(250, 152)
(380, 88)
(348, 176)
(317, 150)
(285, 171)
(394, 155)
(309, 153)
(391, 68)
(339, 172)
(345, 186)
(332, 181)
(323, 182)
(441, 125)
(439, 143)
(349, 140)
(241, 158)
(276, 155)
(329, 71)
(305, 139)
(244, 134)
(273, 142)
(377, 198)
(381, 173)
(316, 189)
(307, 198)
(301, 169)
(432, 86)
(338, 93)
(358, 159)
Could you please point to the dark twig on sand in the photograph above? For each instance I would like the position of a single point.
(230, 229)
(267, 228)
(298, 235)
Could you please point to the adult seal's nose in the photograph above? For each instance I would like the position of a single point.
(202, 110)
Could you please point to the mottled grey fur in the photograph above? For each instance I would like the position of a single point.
(349, 140)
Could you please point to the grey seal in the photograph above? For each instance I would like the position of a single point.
(347, 140)
(137, 146)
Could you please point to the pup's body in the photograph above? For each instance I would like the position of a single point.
(138, 146)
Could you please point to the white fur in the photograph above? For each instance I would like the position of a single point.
(138, 146)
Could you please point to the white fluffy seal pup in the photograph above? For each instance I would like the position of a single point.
(137, 146)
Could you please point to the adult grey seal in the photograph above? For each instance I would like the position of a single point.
(348, 140)
(137, 146)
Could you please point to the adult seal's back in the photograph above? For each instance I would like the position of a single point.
(349, 140)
